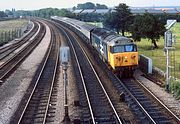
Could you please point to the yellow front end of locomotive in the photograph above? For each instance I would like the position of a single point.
(123, 59)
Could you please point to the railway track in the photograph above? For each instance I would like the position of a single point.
(42, 94)
(144, 108)
(8, 66)
(5, 51)
(156, 113)
(94, 100)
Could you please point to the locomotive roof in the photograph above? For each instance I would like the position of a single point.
(102, 33)
(111, 38)
(120, 40)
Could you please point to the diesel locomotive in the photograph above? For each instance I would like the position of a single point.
(119, 52)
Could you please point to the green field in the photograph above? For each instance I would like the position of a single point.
(158, 56)
(12, 24)
(11, 29)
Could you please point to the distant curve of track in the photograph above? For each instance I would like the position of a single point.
(8, 66)
(40, 93)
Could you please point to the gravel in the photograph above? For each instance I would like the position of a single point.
(171, 102)
(13, 89)
(74, 112)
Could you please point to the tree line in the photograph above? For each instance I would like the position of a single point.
(151, 26)
(89, 5)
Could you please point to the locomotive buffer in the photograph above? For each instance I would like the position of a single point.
(64, 59)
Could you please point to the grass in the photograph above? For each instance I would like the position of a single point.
(157, 55)
(159, 58)
(175, 88)
(12, 24)
(8, 27)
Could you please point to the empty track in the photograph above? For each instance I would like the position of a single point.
(8, 66)
(38, 108)
(6, 50)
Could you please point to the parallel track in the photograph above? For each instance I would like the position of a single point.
(38, 107)
(135, 99)
(146, 111)
(96, 104)
(5, 51)
(144, 114)
(14, 61)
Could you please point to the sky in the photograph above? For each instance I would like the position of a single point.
(38, 4)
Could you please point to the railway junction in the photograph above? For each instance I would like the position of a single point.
(33, 84)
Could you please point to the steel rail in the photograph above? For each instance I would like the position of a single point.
(160, 102)
(16, 44)
(110, 102)
(33, 43)
(9, 50)
(51, 89)
(137, 102)
(38, 79)
(85, 87)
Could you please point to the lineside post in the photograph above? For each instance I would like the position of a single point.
(168, 41)
(64, 59)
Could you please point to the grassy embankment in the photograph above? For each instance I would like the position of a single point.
(10, 25)
(159, 58)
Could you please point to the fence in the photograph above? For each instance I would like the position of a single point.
(6, 36)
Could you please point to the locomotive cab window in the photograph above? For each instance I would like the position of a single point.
(124, 48)
(130, 48)
(118, 49)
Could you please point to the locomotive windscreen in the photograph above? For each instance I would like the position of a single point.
(124, 48)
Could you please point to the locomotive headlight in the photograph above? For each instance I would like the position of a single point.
(125, 59)
(133, 56)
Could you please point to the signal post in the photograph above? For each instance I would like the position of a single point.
(64, 59)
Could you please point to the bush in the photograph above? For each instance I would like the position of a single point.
(175, 88)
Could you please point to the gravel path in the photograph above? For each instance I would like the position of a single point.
(16, 85)
(160, 93)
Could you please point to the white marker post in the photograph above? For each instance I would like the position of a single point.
(64, 59)
(167, 46)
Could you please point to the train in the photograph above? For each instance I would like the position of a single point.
(118, 52)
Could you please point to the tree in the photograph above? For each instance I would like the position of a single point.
(99, 6)
(87, 5)
(2, 14)
(148, 26)
(121, 19)
(152, 28)
(136, 28)
(110, 21)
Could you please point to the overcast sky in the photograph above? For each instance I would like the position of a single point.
(37, 4)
